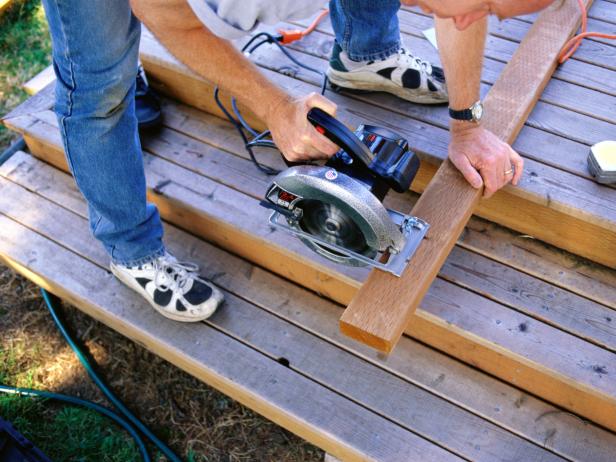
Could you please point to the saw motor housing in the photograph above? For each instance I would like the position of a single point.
(336, 209)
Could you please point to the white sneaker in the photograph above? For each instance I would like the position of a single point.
(173, 288)
(402, 74)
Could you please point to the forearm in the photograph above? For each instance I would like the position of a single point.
(462, 57)
(216, 59)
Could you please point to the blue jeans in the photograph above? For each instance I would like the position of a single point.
(95, 58)
(95, 53)
(367, 30)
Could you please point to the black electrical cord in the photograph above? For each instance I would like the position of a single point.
(240, 124)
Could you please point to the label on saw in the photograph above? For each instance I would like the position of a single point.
(285, 198)
(331, 174)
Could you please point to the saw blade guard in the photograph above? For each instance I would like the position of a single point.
(339, 211)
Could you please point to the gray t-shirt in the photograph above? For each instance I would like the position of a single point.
(232, 19)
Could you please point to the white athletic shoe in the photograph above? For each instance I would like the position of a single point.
(402, 74)
(173, 288)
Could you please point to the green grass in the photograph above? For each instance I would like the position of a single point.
(68, 433)
(25, 50)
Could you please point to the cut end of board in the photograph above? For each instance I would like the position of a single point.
(367, 338)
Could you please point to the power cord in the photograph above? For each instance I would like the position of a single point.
(572, 45)
(244, 129)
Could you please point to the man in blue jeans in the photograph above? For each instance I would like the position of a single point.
(95, 56)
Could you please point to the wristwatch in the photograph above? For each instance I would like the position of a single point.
(472, 114)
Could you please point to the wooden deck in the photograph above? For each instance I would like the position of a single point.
(275, 347)
(510, 306)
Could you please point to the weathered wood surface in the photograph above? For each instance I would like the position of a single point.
(510, 352)
(254, 327)
(384, 305)
(569, 207)
(501, 46)
(245, 374)
(195, 152)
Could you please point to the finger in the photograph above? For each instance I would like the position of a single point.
(292, 156)
(468, 171)
(492, 175)
(306, 152)
(508, 172)
(321, 143)
(518, 164)
(314, 154)
(320, 101)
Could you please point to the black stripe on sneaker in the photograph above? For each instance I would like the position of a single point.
(386, 72)
(198, 293)
(438, 74)
(179, 305)
(143, 281)
(411, 78)
(162, 298)
(431, 86)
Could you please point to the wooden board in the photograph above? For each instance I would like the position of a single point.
(479, 331)
(39, 81)
(256, 329)
(383, 307)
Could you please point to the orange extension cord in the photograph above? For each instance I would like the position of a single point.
(572, 45)
(292, 35)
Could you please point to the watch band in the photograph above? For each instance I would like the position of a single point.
(465, 114)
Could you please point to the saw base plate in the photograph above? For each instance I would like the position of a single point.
(412, 228)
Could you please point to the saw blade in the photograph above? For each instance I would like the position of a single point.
(333, 225)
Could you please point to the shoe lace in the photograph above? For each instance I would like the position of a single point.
(406, 57)
(171, 274)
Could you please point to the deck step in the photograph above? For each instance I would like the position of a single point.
(275, 347)
(556, 201)
(530, 314)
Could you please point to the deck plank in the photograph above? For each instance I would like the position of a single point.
(309, 312)
(513, 30)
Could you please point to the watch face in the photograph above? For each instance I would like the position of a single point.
(477, 111)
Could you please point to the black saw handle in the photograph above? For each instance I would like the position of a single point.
(337, 132)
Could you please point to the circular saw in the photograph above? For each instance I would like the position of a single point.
(337, 209)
